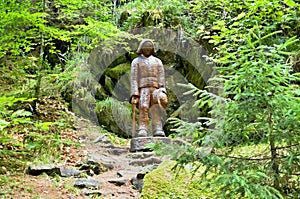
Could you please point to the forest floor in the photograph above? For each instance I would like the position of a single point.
(93, 144)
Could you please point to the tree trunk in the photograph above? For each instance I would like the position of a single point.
(273, 149)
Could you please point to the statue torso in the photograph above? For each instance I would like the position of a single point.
(148, 69)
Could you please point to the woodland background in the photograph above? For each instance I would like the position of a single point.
(254, 149)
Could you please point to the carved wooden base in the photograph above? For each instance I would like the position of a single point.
(140, 143)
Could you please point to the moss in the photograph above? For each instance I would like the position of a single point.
(164, 182)
(117, 71)
(115, 116)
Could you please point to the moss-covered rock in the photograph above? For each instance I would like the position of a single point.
(115, 116)
(164, 182)
(117, 71)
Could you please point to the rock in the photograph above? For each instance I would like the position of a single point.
(121, 173)
(119, 70)
(140, 155)
(83, 138)
(104, 159)
(137, 183)
(180, 142)
(140, 175)
(101, 139)
(88, 192)
(126, 173)
(140, 143)
(109, 146)
(86, 183)
(68, 172)
(114, 150)
(94, 167)
(115, 116)
(70, 196)
(118, 151)
(146, 161)
(49, 169)
(118, 181)
(148, 169)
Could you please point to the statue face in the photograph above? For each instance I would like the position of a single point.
(147, 49)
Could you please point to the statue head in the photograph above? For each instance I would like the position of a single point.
(146, 48)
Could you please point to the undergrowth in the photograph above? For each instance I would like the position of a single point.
(27, 137)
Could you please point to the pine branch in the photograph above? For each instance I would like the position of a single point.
(289, 146)
(253, 159)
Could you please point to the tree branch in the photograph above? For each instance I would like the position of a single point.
(252, 159)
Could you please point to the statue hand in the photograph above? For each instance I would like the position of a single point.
(134, 99)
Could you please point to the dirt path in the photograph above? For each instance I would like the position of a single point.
(118, 182)
(98, 148)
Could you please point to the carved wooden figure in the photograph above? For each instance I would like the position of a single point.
(148, 89)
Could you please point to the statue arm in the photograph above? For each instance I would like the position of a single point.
(161, 76)
(134, 79)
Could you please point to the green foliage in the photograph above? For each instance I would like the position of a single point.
(164, 13)
(269, 93)
(94, 32)
(115, 116)
(256, 102)
(62, 82)
(79, 9)
(193, 132)
(18, 26)
(258, 108)
(28, 24)
(24, 26)
(85, 22)
(22, 138)
(227, 22)
(257, 105)
(35, 33)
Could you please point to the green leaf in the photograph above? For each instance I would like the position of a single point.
(267, 36)
(241, 15)
(3, 124)
(290, 3)
(21, 113)
(290, 41)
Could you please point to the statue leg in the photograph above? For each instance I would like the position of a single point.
(144, 104)
(156, 121)
(156, 114)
